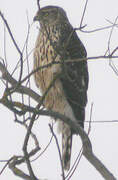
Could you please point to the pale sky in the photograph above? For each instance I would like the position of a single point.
(102, 92)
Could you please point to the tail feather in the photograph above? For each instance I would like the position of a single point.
(66, 146)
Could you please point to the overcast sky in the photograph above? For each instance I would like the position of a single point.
(102, 92)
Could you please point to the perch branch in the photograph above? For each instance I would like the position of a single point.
(87, 147)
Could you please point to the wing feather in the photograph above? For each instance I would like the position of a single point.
(75, 74)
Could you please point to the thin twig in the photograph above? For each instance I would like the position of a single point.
(77, 161)
(116, 25)
(5, 56)
(63, 175)
(27, 60)
(87, 149)
(113, 52)
(111, 64)
(32, 134)
(21, 89)
(5, 165)
(95, 30)
(15, 44)
(75, 165)
(25, 148)
(83, 13)
(10, 33)
(74, 60)
(43, 150)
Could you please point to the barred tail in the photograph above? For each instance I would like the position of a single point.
(66, 146)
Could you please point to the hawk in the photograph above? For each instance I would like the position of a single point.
(58, 42)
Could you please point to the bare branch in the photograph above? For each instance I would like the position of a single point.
(111, 32)
(17, 160)
(63, 175)
(25, 148)
(74, 60)
(87, 147)
(111, 64)
(15, 44)
(115, 24)
(7, 162)
(43, 150)
(14, 106)
(113, 52)
(94, 30)
(83, 13)
(75, 165)
(21, 89)
(16, 171)
(32, 134)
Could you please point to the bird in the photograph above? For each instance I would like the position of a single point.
(56, 49)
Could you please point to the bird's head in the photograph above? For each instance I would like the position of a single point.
(50, 15)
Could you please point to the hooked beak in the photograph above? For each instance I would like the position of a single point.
(36, 18)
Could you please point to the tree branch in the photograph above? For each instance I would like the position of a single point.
(15, 44)
(25, 145)
(21, 89)
(87, 146)
(17, 171)
(63, 175)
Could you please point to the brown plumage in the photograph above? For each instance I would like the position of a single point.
(57, 41)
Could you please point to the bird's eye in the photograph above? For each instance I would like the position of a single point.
(46, 14)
